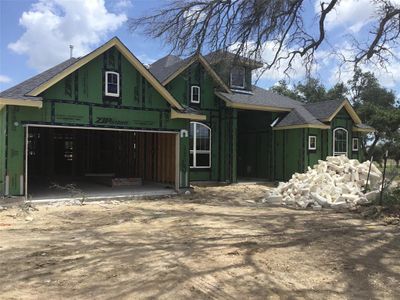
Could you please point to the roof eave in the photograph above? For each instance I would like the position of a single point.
(246, 106)
(317, 126)
(21, 102)
(365, 130)
(189, 116)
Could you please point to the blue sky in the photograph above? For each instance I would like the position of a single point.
(35, 35)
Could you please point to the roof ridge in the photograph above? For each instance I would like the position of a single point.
(325, 101)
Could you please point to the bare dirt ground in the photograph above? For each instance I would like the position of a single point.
(218, 243)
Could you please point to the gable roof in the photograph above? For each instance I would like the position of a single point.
(300, 117)
(54, 75)
(165, 71)
(325, 111)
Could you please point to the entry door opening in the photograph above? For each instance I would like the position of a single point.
(254, 144)
(98, 162)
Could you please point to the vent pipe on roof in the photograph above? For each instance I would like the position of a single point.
(71, 48)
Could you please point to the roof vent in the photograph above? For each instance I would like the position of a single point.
(71, 49)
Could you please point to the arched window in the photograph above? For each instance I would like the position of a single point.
(200, 145)
(340, 137)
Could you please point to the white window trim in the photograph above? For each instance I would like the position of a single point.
(310, 137)
(191, 94)
(334, 140)
(352, 144)
(106, 87)
(194, 151)
(244, 79)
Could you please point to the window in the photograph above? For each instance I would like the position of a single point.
(354, 146)
(312, 142)
(340, 141)
(200, 145)
(112, 84)
(195, 94)
(238, 77)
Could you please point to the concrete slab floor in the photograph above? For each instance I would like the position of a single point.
(256, 181)
(78, 188)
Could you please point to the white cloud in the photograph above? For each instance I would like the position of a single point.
(281, 70)
(4, 79)
(52, 25)
(122, 4)
(352, 14)
(297, 71)
(145, 59)
(388, 76)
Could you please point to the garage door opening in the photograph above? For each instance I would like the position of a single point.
(69, 162)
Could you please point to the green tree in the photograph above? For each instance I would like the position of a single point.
(311, 91)
(365, 88)
(377, 107)
(338, 92)
(282, 88)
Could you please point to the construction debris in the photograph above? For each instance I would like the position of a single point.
(338, 183)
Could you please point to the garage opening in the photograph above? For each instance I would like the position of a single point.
(69, 162)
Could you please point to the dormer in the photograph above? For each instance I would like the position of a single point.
(235, 71)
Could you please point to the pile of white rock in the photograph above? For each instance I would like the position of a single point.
(338, 182)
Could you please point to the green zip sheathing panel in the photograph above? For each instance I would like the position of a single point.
(79, 101)
(15, 158)
(312, 156)
(3, 133)
(288, 153)
(220, 119)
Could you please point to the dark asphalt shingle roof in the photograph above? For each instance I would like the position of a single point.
(21, 90)
(300, 113)
(217, 56)
(166, 66)
(323, 110)
(260, 96)
(298, 116)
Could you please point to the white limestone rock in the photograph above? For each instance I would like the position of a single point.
(338, 182)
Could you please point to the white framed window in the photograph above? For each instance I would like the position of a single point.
(312, 142)
(112, 84)
(340, 140)
(354, 144)
(238, 77)
(200, 145)
(195, 94)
